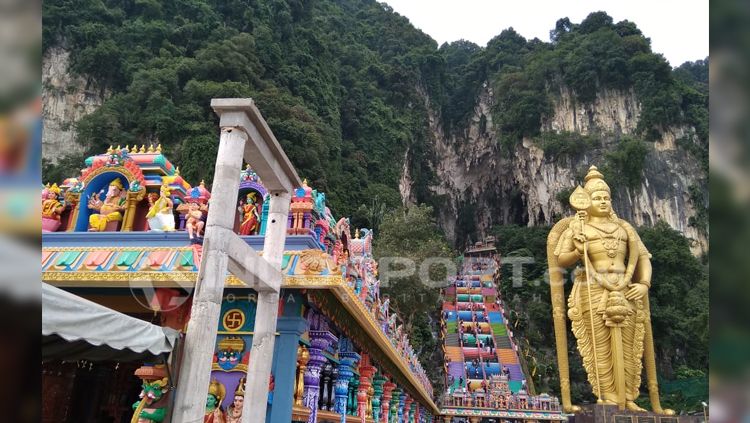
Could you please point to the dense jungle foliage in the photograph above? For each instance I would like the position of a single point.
(679, 313)
(344, 85)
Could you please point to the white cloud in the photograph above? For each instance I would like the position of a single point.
(678, 29)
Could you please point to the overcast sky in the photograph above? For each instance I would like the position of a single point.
(678, 28)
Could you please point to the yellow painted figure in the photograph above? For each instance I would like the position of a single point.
(51, 206)
(109, 210)
(608, 304)
(159, 216)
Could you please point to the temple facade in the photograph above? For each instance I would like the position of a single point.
(127, 234)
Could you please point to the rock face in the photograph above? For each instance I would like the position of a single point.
(479, 184)
(66, 99)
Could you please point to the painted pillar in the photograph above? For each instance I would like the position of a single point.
(365, 376)
(377, 385)
(395, 399)
(319, 342)
(285, 352)
(388, 388)
(352, 402)
(347, 361)
(407, 409)
(402, 406)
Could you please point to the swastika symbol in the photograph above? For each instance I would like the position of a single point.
(234, 319)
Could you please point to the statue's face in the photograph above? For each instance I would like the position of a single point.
(210, 402)
(51, 195)
(238, 401)
(113, 191)
(601, 204)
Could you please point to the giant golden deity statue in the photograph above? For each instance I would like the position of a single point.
(608, 304)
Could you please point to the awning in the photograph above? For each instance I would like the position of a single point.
(75, 328)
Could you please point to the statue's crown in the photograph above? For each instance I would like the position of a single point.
(233, 343)
(217, 389)
(595, 181)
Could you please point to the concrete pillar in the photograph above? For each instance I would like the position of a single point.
(264, 335)
(285, 352)
(195, 370)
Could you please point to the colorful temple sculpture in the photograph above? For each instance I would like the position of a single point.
(127, 234)
(484, 377)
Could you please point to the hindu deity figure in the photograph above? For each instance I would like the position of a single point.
(159, 216)
(608, 304)
(230, 352)
(151, 408)
(109, 210)
(193, 211)
(250, 215)
(234, 412)
(51, 208)
(216, 394)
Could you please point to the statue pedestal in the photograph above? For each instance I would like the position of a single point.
(611, 414)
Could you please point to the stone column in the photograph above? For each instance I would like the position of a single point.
(319, 342)
(200, 338)
(290, 329)
(377, 385)
(388, 388)
(365, 374)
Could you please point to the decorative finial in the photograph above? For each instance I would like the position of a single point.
(118, 147)
(177, 171)
(304, 182)
(356, 234)
(110, 150)
(150, 148)
(203, 183)
(143, 149)
(158, 149)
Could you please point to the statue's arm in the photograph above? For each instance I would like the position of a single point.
(568, 253)
(643, 269)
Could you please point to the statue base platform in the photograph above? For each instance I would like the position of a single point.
(611, 414)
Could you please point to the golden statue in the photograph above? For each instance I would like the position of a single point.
(608, 304)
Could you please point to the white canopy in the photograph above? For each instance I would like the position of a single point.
(76, 328)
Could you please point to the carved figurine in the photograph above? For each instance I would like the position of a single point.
(51, 209)
(109, 210)
(151, 407)
(193, 210)
(216, 394)
(234, 412)
(250, 215)
(159, 216)
(608, 304)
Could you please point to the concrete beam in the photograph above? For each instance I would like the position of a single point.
(248, 266)
(263, 152)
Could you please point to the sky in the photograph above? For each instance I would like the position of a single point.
(677, 29)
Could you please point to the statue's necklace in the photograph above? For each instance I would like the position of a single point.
(609, 242)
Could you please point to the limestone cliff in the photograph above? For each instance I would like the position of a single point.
(66, 99)
(479, 184)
